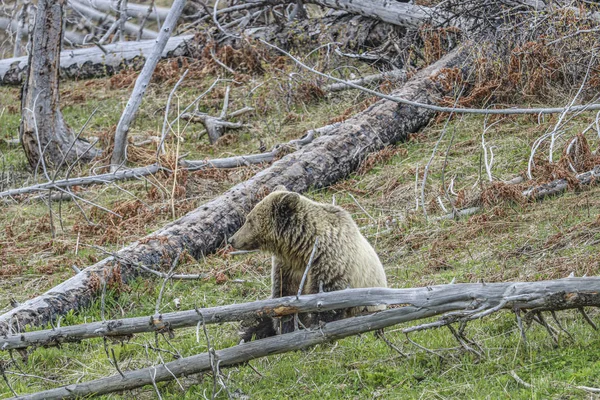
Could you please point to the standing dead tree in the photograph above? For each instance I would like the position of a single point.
(459, 303)
(324, 161)
(46, 138)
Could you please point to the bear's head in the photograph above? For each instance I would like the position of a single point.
(265, 224)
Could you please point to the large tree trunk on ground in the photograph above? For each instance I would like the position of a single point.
(323, 162)
(468, 301)
(44, 134)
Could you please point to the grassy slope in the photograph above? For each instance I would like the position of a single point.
(505, 242)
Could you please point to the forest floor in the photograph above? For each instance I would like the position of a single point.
(508, 240)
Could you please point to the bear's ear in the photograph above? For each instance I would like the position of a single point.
(280, 188)
(285, 207)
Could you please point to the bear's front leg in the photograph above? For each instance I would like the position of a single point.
(284, 283)
(318, 285)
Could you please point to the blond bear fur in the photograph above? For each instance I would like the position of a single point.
(287, 224)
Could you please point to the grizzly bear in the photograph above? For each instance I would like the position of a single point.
(287, 225)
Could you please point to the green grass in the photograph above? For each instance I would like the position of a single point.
(504, 242)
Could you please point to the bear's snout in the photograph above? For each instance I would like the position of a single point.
(231, 241)
(244, 239)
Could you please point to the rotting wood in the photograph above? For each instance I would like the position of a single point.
(457, 302)
(134, 10)
(95, 15)
(13, 25)
(392, 12)
(462, 296)
(560, 185)
(324, 161)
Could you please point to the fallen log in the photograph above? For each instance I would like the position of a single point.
(560, 185)
(139, 11)
(97, 16)
(12, 25)
(462, 303)
(97, 61)
(461, 295)
(324, 161)
(392, 12)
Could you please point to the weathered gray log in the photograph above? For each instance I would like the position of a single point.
(461, 296)
(392, 12)
(95, 15)
(353, 32)
(324, 161)
(13, 25)
(539, 192)
(462, 303)
(94, 61)
(138, 11)
(560, 185)
(44, 135)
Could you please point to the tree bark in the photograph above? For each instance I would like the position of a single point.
(466, 302)
(462, 295)
(44, 135)
(319, 164)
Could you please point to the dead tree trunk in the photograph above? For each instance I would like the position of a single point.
(46, 138)
(326, 160)
(95, 61)
(462, 296)
(392, 12)
(462, 303)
